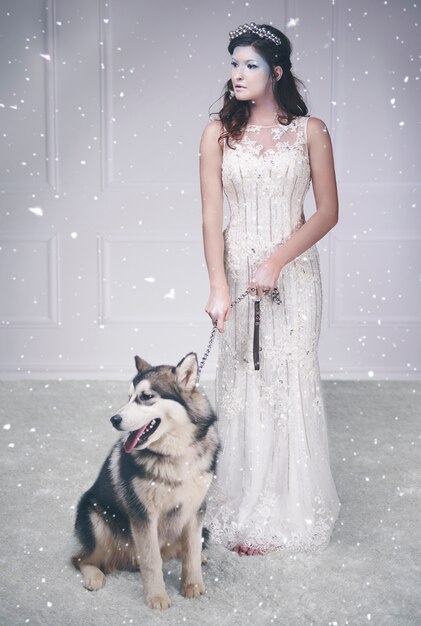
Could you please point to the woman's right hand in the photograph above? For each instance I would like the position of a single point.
(219, 306)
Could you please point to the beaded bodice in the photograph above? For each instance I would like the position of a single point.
(265, 179)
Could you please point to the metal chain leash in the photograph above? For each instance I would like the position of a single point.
(275, 298)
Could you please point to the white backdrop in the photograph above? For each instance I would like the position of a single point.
(102, 107)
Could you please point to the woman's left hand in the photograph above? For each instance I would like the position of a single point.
(265, 278)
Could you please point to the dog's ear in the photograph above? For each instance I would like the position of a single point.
(186, 371)
(141, 365)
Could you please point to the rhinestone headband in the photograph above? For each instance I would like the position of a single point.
(258, 30)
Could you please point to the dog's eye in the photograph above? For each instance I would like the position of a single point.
(145, 396)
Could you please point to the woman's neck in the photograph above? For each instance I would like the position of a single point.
(265, 115)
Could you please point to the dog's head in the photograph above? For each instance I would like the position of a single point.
(166, 410)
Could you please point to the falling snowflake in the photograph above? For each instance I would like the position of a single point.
(36, 210)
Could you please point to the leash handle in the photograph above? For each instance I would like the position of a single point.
(256, 334)
(256, 338)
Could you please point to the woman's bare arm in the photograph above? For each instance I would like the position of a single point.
(212, 203)
(219, 303)
(325, 194)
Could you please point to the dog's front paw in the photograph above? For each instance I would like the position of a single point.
(159, 601)
(192, 590)
(94, 580)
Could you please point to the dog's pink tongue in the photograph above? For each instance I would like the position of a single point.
(133, 439)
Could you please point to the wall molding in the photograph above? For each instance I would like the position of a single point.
(81, 372)
(52, 280)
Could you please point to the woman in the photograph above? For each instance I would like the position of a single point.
(273, 488)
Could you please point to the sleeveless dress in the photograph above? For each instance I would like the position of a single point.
(273, 486)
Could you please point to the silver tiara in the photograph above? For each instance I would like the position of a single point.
(259, 30)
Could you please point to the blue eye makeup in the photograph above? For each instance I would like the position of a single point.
(249, 65)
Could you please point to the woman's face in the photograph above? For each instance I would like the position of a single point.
(252, 72)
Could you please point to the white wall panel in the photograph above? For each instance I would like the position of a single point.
(29, 281)
(372, 323)
(27, 105)
(102, 108)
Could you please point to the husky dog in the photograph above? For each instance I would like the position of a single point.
(149, 500)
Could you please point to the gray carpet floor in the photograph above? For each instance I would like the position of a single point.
(54, 437)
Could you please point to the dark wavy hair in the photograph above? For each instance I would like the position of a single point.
(235, 114)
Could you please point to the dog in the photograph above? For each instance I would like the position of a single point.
(148, 502)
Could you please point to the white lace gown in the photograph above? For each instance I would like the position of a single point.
(273, 485)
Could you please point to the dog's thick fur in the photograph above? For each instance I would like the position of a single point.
(148, 503)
